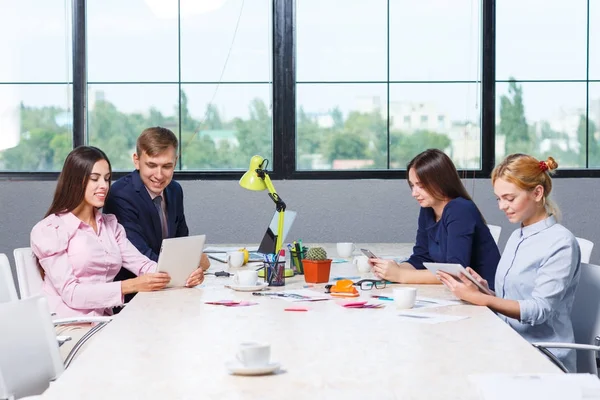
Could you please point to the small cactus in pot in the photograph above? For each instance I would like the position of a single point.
(316, 265)
(316, 254)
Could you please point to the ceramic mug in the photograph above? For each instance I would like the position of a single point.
(345, 249)
(362, 263)
(405, 297)
(254, 354)
(235, 259)
(246, 278)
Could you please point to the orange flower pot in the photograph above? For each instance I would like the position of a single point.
(316, 271)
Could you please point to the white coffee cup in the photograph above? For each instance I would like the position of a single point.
(362, 263)
(345, 249)
(253, 354)
(246, 278)
(405, 297)
(235, 259)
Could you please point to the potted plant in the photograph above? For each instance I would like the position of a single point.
(316, 265)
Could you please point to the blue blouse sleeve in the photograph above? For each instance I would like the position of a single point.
(460, 221)
(421, 248)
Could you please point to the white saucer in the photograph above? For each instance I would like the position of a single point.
(252, 288)
(235, 367)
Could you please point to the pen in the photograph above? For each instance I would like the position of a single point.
(382, 297)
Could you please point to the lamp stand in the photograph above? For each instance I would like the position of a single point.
(279, 206)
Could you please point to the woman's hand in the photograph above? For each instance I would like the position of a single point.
(146, 283)
(388, 270)
(204, 263)
(464, 289)
(479, 279)
(195, 278)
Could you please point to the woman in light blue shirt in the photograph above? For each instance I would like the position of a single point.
(539, 269)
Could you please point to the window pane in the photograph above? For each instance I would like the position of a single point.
(210, 45)
(341, 40)
(434, 39)
(132, 41)
(119, 113)
(443, 116)
(225, 126)
(541, 39)
(35, 127)
(542, 119)
(36, 41)
(341, 126)
(594, 126)
(594, 40)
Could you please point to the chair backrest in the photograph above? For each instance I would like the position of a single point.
(586, 315)
(30, 356)
(28, 275)
(495, 231)
(7, 284)
(586, 247)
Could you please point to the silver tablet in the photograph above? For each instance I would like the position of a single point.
(455, 270)
(179, 257)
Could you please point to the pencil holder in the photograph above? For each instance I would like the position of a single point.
(297, 258)
(275, 273)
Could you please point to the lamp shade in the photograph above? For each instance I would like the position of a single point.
(250, 180)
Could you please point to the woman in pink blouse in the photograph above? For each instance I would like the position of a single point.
(81, 250)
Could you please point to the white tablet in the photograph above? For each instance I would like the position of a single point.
(455, 270)
(179, 257)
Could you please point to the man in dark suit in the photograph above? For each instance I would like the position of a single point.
(148, 202)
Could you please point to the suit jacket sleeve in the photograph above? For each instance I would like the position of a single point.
(182, 228)
(128, 215)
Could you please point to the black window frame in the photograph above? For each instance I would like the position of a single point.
(283, 164)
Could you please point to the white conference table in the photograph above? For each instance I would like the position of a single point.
(170, 345)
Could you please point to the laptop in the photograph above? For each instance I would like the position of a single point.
(179, 257)
(267, 245)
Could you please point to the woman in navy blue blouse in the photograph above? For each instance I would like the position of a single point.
(451, 228)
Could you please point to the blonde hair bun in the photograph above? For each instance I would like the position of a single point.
(551, 163)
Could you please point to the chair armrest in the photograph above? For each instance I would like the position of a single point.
(80, 320)
(95, 329)
(574, 346)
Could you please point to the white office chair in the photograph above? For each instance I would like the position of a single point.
(495, 230)
(28, 275)
(30, 357)
(30, 285)
(586, 247)
(7, 284)
(586, 323)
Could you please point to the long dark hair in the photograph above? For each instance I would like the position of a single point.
(438, 175)
(74, 177)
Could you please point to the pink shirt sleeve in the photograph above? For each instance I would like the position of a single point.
(49, 242)
(133, 260)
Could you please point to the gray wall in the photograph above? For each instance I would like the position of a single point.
(328, 211)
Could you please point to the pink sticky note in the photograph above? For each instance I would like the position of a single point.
(354, 304)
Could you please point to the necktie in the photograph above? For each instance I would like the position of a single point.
(163, 222)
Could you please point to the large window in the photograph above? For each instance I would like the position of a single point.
(380, 81)
(321, 88)
(35, 90)
(543, 83)
(200, 68)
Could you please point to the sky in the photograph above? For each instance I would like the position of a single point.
(337, 40)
